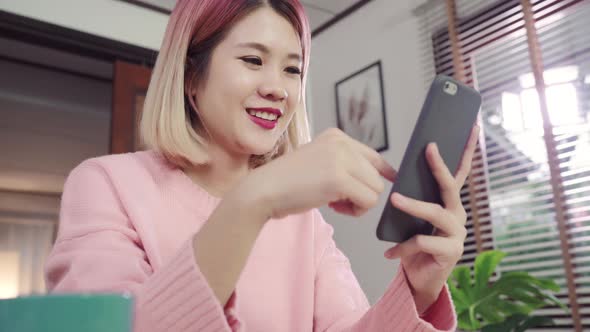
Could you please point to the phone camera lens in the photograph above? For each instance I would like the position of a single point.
(450, 88)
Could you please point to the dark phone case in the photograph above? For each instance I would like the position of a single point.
(447, 120)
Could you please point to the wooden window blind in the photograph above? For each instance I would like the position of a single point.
(529, 194)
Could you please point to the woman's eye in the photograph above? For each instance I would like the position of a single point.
(294, 70)
(254, 61)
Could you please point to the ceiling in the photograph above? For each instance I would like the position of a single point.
(318, 11)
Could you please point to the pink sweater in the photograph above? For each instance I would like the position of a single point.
(126, 225)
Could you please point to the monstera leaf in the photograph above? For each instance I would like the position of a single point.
(514, 295)
(518, 323)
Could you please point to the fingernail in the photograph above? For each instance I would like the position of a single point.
(390, 254)
(435, 147)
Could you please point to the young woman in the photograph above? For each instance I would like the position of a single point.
(215, 226)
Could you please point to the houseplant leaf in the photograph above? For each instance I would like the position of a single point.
(484, 267)
(534, 321)
(509, 300)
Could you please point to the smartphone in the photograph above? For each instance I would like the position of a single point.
(447, 118)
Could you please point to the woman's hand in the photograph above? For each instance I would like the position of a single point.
(333, 169)
(429, 260)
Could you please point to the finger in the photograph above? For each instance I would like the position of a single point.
(437, 246)
(467, 159)
(446, 182)
(435, 214)
(382, 166)
(364, 171)
(360, 195)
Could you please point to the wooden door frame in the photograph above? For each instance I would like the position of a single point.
(129, 81)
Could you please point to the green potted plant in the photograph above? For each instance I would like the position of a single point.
(504, 305)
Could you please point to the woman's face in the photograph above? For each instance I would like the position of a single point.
(253, 84)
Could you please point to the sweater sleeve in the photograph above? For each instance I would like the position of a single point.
(98, 250)
(341, 305)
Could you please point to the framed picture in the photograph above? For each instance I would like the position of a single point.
(360, 107)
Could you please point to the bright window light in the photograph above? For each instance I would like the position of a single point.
(562, 102)
(531, 110)
(522, 119)
(581, 158)
(561, 75)
(527, 80)
(524, 112)
(9, 270)
(511, 112)
(552, 76)
(531, 144)
(587, 79)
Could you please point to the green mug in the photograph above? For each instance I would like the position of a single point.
(67, 313)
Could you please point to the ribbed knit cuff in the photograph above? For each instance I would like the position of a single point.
(398, 302)
(441, 314)
(178, 298)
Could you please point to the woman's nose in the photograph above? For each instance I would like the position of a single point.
(273, 90)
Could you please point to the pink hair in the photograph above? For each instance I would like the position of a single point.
(195, 28)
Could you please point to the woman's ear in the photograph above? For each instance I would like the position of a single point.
(192, 99)
(190, 90)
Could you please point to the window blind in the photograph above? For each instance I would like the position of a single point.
(514, 194)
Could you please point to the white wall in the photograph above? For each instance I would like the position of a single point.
(381, 30)
(106, 18)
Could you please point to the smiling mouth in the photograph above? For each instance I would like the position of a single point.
(263, 115)
(265, 118)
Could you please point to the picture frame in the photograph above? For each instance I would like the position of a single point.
(360, 106)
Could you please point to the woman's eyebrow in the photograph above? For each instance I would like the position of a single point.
(264, 49)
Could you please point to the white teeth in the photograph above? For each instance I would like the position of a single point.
(263, 115)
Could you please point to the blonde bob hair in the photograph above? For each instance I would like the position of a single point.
(169, 123)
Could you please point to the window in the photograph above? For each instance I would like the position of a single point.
(521, 109)
(530, 192)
